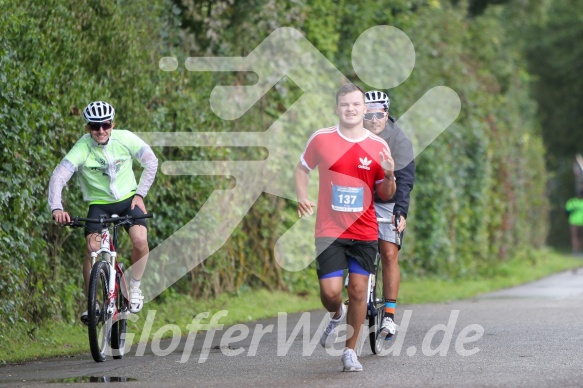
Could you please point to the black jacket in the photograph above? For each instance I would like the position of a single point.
(402, 152)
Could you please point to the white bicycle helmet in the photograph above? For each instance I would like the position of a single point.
(375, 96)
(98, 111)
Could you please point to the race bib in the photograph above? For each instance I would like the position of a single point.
(347, 199)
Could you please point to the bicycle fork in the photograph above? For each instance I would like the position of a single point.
(371, 297)
(109, 256)
(111, 306)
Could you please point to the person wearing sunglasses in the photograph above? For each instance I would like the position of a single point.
(102, 159)
(352, 163)
(378, 121)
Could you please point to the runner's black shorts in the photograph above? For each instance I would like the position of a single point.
(121, 208)
(333, 254)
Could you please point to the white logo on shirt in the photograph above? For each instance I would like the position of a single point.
(365, 163)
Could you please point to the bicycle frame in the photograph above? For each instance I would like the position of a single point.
(374, 304)
(371, 300)
(109, 255)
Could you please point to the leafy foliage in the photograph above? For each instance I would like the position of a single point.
(555, 60)
(479, 195)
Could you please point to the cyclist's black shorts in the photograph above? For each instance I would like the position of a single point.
(120, 208)
(333, 254)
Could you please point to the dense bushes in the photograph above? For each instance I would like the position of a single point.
(479, 196)
(56, 57)
(479, 193)
(554, 60)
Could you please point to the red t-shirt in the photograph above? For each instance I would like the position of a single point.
(349, 170)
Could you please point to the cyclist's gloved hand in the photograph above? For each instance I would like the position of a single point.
(61, 217)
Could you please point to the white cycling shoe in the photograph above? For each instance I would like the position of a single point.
(136, 300)
(388, 329)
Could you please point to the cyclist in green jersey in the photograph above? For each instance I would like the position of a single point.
(102, 159)
(574, 208)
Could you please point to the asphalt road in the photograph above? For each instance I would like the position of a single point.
(527, 336)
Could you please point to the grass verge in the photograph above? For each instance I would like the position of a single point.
(507, 274)
(28, 342)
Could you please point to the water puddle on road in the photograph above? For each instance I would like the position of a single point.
(93, 379)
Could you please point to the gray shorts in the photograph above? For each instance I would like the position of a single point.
(387, 232)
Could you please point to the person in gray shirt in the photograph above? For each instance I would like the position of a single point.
(379, 121)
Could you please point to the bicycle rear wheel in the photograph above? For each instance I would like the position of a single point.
(99, 329)
(119, 326)
(378, 309)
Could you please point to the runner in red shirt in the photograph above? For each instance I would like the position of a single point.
(352, 162)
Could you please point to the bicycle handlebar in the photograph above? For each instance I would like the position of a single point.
(76, 221)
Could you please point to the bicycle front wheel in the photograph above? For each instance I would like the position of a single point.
(378, 309)
(119, 325)
(99, 329)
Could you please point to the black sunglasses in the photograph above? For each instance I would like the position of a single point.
(376, 115)
(98, 126)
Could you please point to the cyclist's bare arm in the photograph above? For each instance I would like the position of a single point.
(302, 180)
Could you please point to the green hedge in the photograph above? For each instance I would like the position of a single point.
(479, 195)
